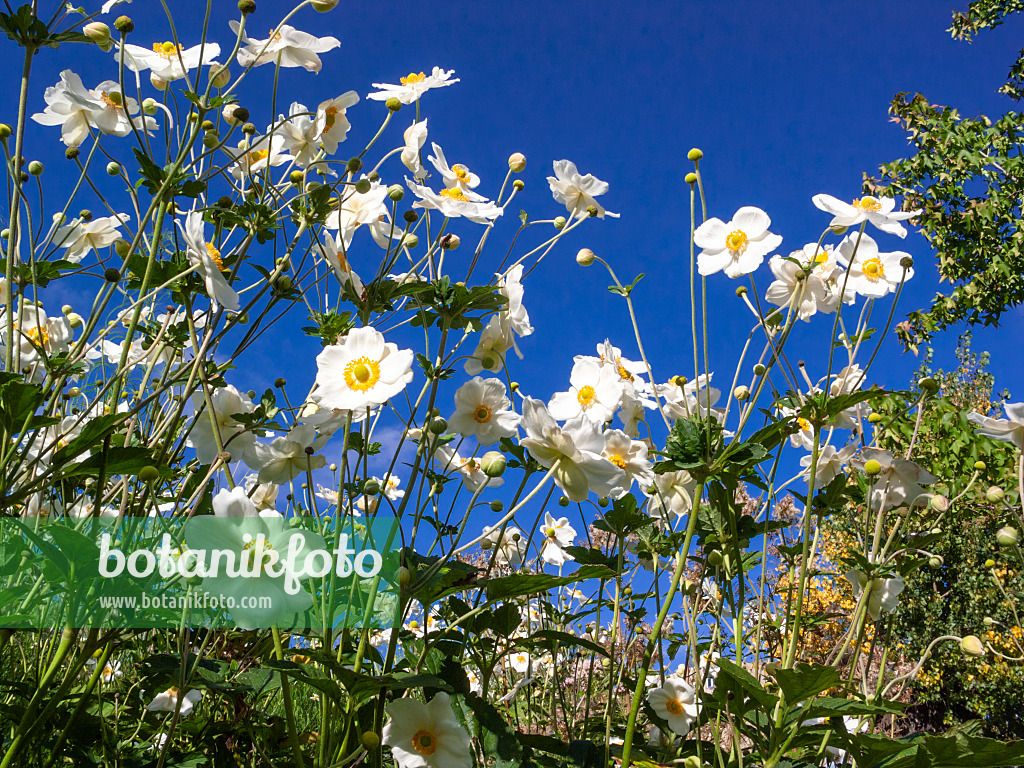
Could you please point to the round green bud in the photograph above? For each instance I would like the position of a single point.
(1007, 536)
(85, 214)
(224, 202)
(972, 646)
(690, 178)
(5, 131)
(450, 242)
(249, 129)
(990, 563)
(938, 502)
(404, 577)
(692, 762)
(936, 531)
(988, 621)
(741, 291)
(517, 162)
(759, 370)
(875, 418)
(519, 185)
(393, 104)
(837, 229)
(75, 320)
(559, 222)
(296, 178)
(283, 283)
(280, 383)
(585, 257)
(247, 6)
(239, 115)
(323, 6)
(149, 106)
(497, 505)
(741, 393)
(66, 310)
(980, 466)
(111, 275)
(493, 463)
(113, 169)
(410, 217)
(71, 153)
(715, 558)
(592, 211)
(694, 155)
(437, 426)
(994, 494)
(369, 739)
(603, 502)
(371, 487)
(872, 467)
(363, 186)
(35, 168)
(74, 392)
(935, 561)
(252, 394)
(5, 234)
(354, 165)
(211, 139)
(124, 25)
(149, 474)
(907, 262)
(563, 501)
(928, 385)
(221, 78)
(396, 193)
(410, 241)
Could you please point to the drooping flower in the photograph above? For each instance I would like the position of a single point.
(415, 136)
(508, 542)
(234, 503)
(595, 392)
(676, 703)
(356, 209)
(456, 176)
(288, 456)
(470, 470)
(574, 451)
(482, 411)
(361, 372)
(871, 274)
(897, 482)
(558, 535)
(883, 594)
(166, 61)
(413, 86)
(227, 402)
(1008, 430)
(287, 48)
(259, 155)
(807, 292)
(79, 237)
(577, 193)
(453, 203)
(300, 134)
(510, 285)
(672, 492)
(70, 105)
(426, 735)
(207, 259)
(631, 457)
(830, 464)
(328, 248)
(332, 123)
(494, 343)
(737, 247)
(879, 211)
(168, 701)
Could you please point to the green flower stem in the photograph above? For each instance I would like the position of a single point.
(289, 711)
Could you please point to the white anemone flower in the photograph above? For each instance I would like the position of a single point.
(342, 269)
(260, 155)
(227, 402)
(426, 735)
(672, 492)
(300, 134)
(595, 391)
(510, 285)
(166, 61)
(79, 237)
(205, 256)
(495, 341)
(415, 136)
(676, 703)
(470, 471)
(456, 176)
(332, 123)
(262, 495)
(482, 410)
(898, 482)
(1008, 430)
(830, 464)
(363, 371)
(879, 211)
(76, 109)
(871, 274)
(883, 594)
(630, 456)
(169, 699)
(287, 48)
(577, 193)
(688, 399)
(453, 203)
(574, 451)
(234, 503)
(738, 246)
(558, 535)
(356, 209)
(288, 456)
(807, 292)
(413, 86)
(509, 545)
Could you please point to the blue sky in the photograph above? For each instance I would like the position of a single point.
(785, 101)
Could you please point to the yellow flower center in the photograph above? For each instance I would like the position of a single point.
(674, 707)
(482, 414)
(820, 258)
(330, 116)
(167, 50)
(623, 373)
(868, 204)
(362, 373)
(586, 396)
(424, 742)
(256, 155)
(172, 691)
(736, 241)
(453, 194)
(803, 423)
(112, 100)
(617, 460)
(214, 255)
(461, 172)
(552, 533)
(414, 624)
(873, 269)
(266, 554)
(412, 78)
(38, 335)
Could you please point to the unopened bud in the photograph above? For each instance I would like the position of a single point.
(585, 257)
(994, 494)
(559, 222)
(71, 153)
(149, 474)
(247, 6)
(113, 169)
(450, 242)
(741, 393)
(872, 467)
(980, 466)
(690, 178)
(972, 646)
(99, 33)
(354, 165)
(393, 104)
(296, 178)
(371, 487)
(75, 320)
(437, 426)
(907, 262)
(221, 77)
(35, 168)
(519, 185)
(149, 106)
(759, 370)
(323, 6)
(493, 463)
(741, 291)
(874, 418)
(497, 505)
(158, 82)
(928, 385)
(517, 162)
(124, 25)
(694, 155)
(692, 761)
(1007, 536)
(935, 561)
(369, 739)
(363, 186)
(837, 229)
(404, 577)
(563, 501)
(396, 192)
(939, 503)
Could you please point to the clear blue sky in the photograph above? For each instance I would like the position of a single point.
(786, 100)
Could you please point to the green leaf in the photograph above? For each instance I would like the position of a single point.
(806, 680)
(521, 584)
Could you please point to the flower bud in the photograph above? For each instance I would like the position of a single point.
(211, 139)
(354, 165)
(149, 106)
(1007, 536)
(837, 229)
(363, 186)
(741, 291)
(410, 241)
(517, 162)
(99, 33)
(563, 501)
(980, 466)
(928, 385)
(741, 393)
(247, 6)
(874, 418)
(75, 320)
(410, 217)
(371, 487)
(221, 77)
(935, 561)
(497, 505)
(121, 247)
(603, 502)
(938, 502)
(113, 169)
(157, 82)
(694, 155)
(404, 577)
(972, 646)
(437, 426)
(149, 474)
(990, 563)
(591, 211)
(369, 739)
(67, 309)
(907, 262)
(690, 178)
(71, 153)
(450, 242)
(559, 222)
(994, 494)
(872, 467)
(692, 761)
(759, 370)
(296, 177)
(111, 275)
(124, 25)
(5, 131)
(585, 257)
(249, 129)
(396, 193)
(493, 463)
(323, 6)
(519, 185)
(393, 104)
(715, 558)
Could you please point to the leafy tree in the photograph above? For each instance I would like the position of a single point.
(967, 178)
